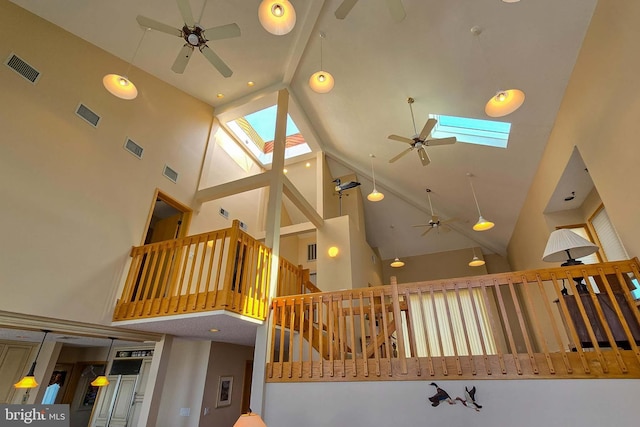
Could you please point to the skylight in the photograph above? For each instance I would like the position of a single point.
(257, 131)
(472, 131)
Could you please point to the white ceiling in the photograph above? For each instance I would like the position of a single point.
(377, 63)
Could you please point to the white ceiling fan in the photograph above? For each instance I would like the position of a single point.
(434, 223)
(195, 37)
(419, 141)
(395, 8)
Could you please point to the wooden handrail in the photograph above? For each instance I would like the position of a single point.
(492, 326)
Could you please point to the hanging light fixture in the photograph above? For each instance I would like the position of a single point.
(375, 195)
(505, 101)
(277, 16)
(120, 85)
(482, 224)
(321, 81)
(475, 261)
(102, 380)
(29, 380)
(396, 263)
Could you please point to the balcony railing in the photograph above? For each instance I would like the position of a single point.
(567, 322)
(220, 270)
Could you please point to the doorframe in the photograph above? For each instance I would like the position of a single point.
(186, 213)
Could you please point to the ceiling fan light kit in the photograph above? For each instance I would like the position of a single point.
(504, 102)
(278, 17)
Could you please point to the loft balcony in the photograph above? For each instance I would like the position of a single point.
(567, 322)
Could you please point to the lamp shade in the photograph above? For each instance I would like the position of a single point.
(504, 102)
(321, 82)
(565, 245)
(277, 16)
(476, 262)
(397, 263)
(120, 86)
(483, 224)
(375, 196)
(100, 381)
(250, 420)
(28, 381)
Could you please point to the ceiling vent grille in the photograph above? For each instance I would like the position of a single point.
(87, 115)
(170, 174)
(21, 67)
(133, 148)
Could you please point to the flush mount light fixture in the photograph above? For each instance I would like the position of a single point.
(321, 81)
(277, 16)
(120, 85)
(482, 224)
(102, 380)
(475, 261)
(375, 195)
(29, 380)
(333, 251)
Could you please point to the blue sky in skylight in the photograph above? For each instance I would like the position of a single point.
(473, 131)
(264, 123)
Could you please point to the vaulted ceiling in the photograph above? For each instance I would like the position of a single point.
(377, 62)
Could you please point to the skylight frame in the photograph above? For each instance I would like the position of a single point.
(490, 133)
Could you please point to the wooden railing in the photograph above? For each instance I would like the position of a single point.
(513, 325)
(294, 280)
(220, 270)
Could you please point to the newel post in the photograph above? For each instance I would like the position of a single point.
(397, 317)
(231, 263)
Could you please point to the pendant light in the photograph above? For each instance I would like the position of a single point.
(29, 380)
(482, 224)
(120, 85)
(475, 261)
(102, 380)
(505, 101)
(396, 263)
(375, 195)
(277, 16)
(321, 81)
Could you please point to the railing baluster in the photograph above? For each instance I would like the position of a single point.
(472, 364)
(312, 313)
(476, 317)
(385, 329)
(301, 335)
(523, 328)
(283, 325)
(331, 339)
(556, 331)
(321, 334)
(411, 332)
(292, 330)
(451, 331)
(443, 360)
(426, 332)
(352, 328)
(494, 326)
(635, 310)
(272, 344)
(507, 326)
(341, 334)
(536, 325)
(397, 320)
(363, 337)
(373, 332)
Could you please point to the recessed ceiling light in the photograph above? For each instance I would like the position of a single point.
(308, 165)
(510, 1)
(220, 95)
(285, 170)
(214, 330)
(250, 84)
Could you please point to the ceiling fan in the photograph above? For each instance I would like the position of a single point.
(434, 222)
(395, 8)
(195, 37)
(418, 142)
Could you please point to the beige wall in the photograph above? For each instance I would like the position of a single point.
(225, 360)
(439, 265)
(599, 115)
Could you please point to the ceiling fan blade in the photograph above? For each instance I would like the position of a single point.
(182, 59)
(421, 225)
(145, 22)
(401, 139)
(440, 141)
(345, 7)
(428, 127)
(216, 61)
(427, 230)
(424, 157)
(396, 9)
(447, 221)
(185, 11)
(223, 32)
(401, 154)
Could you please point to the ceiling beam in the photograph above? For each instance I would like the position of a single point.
(234, 187)
(301, 203)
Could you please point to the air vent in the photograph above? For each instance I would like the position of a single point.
(312, 252)
(21, 67)
(223, 212)
(133, 148)
(170, 174)
(89, 116)
(244, 226)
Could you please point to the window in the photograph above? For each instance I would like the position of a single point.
(609, 242)
(472, 131)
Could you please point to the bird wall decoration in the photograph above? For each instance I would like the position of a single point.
(469, 400)
(440, 396)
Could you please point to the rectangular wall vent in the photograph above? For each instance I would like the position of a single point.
(223, 212)
(170, 174)
(244, 226)
(89, 116)
(21, 67)
(133, 148)
(312, 252)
